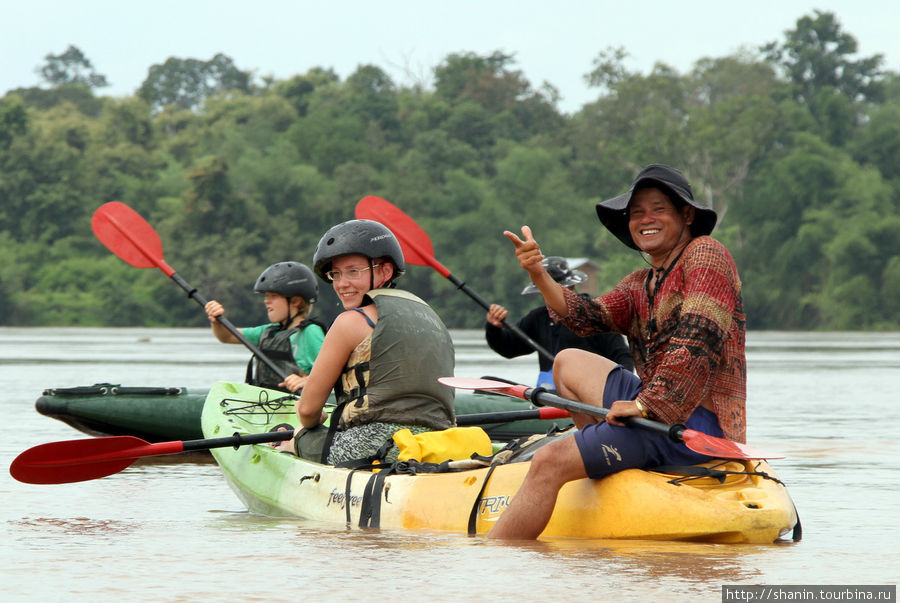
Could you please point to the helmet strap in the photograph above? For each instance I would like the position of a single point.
(289, 319)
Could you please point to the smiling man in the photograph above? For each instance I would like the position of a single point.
(684, 319)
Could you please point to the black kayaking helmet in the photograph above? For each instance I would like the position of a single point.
(288, 279)
(364, 237)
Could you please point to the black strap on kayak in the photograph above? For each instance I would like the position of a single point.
(374, 491)
(473, 514)
(370, 509)
(369, 516)
(102, 389)
(369, 462)
(691, 472)
(347, 495)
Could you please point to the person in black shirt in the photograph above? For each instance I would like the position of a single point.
(550, 335)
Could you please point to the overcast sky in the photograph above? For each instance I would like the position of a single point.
(552, 41)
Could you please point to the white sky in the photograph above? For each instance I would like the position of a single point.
(553, 41)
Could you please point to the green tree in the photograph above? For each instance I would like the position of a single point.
(495, 101)
(740, 92)
(373, 96)
(816, 56)
(806, 187)
(188, 82)
(641, 120)
(299, 88)
(69, 68)
(13, 120)
(878, 140)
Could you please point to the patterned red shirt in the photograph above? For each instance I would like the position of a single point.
(689, 348)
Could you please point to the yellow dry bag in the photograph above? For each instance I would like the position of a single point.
(453, 444)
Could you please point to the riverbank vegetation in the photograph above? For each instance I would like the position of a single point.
(794, 144)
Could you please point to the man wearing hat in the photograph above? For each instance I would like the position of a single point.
(684, 319)
(552, 335)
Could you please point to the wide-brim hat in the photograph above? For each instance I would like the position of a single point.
(558, 268)
(614, 212)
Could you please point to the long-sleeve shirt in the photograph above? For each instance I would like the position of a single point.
(688, 347)
(553, 337)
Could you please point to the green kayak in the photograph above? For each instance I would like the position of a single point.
(162, 414)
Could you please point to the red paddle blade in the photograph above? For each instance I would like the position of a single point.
(510, 389)
(723, 449)
(129, 236)
(78, 460)
(415, 243)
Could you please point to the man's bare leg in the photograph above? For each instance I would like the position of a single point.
(529, 512)
(581, 375)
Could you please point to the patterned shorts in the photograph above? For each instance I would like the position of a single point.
(363, 441)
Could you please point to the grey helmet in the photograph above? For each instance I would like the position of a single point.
(558, 268)
(365, 237)
(288, 279)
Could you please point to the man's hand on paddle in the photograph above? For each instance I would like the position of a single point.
(496, 315)
(528, 251)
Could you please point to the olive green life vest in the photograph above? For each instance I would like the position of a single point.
(391, 376)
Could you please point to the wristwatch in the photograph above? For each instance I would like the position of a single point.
(641, 408)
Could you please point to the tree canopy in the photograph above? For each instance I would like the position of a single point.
(794, 145)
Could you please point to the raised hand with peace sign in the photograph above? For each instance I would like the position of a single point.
(528, 252)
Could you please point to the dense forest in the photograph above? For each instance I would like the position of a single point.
(795, 144)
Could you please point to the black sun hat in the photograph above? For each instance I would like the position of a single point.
(614, 212)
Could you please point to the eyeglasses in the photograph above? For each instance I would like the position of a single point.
(351, 275)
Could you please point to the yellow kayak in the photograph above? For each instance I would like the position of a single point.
(744, 503)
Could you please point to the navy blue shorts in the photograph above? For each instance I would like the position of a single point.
(606, 448)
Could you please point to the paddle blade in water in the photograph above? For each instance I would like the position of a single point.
(415, 243)
(128, 235)
(76, 460)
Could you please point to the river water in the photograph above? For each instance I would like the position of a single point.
(174, 530)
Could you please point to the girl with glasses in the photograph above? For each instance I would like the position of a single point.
(382, 355)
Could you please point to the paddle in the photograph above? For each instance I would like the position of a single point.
(418, 250)
(129, 236)
(542, 414)
(81, 460)
(695, 440)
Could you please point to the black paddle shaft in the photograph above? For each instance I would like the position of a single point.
(238, 440)
(193, 294)
(540, 397)
(465, 289)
